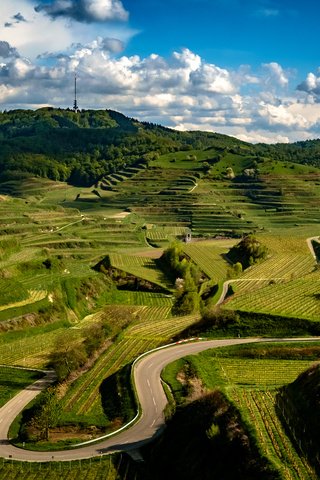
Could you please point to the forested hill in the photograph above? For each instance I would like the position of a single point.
(83, 147)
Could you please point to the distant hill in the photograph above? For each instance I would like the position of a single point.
(82, 147)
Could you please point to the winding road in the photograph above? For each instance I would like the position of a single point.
(149, 390)
(146, 371)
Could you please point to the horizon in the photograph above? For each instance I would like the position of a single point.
(79, 110)
(236, 67)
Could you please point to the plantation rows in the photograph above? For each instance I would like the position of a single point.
(25, 255)
(165, 233)
(209, 258)
(297, 299)
(251, 384)
(104, 468)
(152, 314)
(141, 267)
(259, 406)
(137, 313)
(33, 351)
(82, 395)
(266, 373)
(149, 299)
(35, 296)
(243, 286)
(163, 329)
(282, 265)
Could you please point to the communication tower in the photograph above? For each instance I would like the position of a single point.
(75, 104)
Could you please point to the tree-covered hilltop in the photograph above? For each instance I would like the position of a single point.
(305, 152)
(82, 147)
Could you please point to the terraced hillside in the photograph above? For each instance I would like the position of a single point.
(53, 235)
(250, 377)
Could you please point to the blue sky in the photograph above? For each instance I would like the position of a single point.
(229, 32)
(241, 67)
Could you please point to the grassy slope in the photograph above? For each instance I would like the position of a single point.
(298, 403)
(249, 376)
(75, 234)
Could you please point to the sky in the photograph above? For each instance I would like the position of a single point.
(246, 68)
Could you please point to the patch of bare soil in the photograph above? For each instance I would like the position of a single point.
(121, 215)
(195, 387)
(72, 433)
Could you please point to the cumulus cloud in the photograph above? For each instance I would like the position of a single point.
(113, 45)
(276, 74)
(182, 90)
(7, 51)
(311, 84)
(85, 10)
(213, 79)
(281, 116)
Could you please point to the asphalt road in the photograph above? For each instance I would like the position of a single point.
(152, 400)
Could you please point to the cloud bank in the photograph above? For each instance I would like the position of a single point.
(181, 90)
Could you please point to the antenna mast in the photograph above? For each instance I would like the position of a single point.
(75, 105)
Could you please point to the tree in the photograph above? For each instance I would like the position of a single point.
(48, 414)
(67, 357)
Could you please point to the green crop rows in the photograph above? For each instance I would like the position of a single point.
(252, 384)
(297, 298)
(209, 257)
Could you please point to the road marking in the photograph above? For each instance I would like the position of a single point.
(150, 365)
(154, 402)
(148, 382)
(153, 423)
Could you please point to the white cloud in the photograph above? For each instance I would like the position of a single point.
(276, 74)
(281, 116)
(40, 34)
(182, 90)
(311, 85)
(210, 78)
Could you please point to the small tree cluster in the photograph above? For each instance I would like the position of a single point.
(187, 279)
(47, 414)
(69, 356)
(248, 252)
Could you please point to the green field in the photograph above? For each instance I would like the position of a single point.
(53, 235)
(251, 384)
(12, 380)
(111, 467)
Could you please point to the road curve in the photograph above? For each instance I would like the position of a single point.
(152, 399)
(226, 284)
